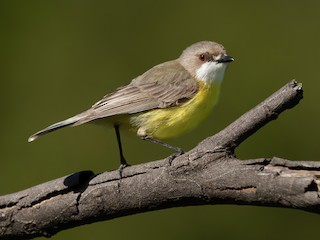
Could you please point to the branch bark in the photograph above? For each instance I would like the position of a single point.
(208, 174)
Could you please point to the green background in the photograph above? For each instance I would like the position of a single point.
(59, 57)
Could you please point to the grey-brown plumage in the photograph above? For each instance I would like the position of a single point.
(165, 85)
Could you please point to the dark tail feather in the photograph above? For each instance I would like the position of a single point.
(53, 127)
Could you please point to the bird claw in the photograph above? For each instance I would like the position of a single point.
(173, 156)
(120, 169)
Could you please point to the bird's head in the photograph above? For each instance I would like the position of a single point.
(206, 61)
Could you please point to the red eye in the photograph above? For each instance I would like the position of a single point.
(202, 57)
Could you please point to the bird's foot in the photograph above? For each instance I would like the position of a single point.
(120, 171)
(178, 153)
(121, 168)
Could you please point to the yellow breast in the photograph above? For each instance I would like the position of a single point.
(173, 121)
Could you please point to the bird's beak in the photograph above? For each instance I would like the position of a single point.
(225, 59)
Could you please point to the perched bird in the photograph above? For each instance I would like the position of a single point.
(169, 99)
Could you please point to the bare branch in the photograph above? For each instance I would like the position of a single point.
(230, 137)
(208, 174)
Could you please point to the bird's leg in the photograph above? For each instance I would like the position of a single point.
(179, 151)
(123, 162)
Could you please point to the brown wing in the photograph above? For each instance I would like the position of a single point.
(164, 85)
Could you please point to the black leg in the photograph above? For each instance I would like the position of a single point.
(122, 159)
(179, 151)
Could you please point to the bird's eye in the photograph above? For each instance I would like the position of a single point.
(202, 57)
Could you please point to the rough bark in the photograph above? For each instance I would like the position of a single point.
(208, 174)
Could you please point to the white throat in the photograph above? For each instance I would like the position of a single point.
(211, 72)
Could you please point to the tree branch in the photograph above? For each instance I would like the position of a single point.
(208, 174)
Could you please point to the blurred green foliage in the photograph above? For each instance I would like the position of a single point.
(59, 57)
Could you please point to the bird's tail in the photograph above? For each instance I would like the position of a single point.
(56, 126)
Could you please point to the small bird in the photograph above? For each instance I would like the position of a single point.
(168, 100)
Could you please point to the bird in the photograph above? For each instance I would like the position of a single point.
(166, 101)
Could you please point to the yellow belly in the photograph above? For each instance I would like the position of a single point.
(174, 121)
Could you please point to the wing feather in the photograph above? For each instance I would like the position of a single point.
(164, 85)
